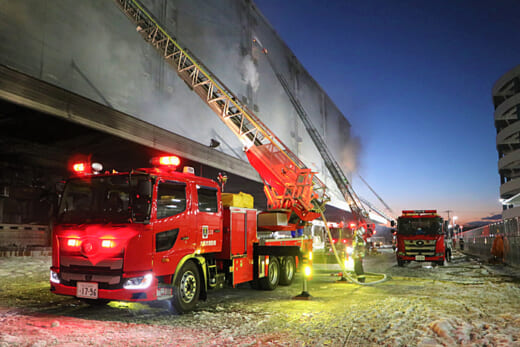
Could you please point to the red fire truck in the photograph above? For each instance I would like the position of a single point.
(156, 234)
(420, 236)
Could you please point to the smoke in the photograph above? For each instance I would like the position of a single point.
(350, 154)
(250, 73)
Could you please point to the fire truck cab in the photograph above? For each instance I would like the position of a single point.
(420, 236)
(156, 234)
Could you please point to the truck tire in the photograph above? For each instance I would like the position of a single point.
(186, 288)
(400, 262)
(287, 271)
(270, 282)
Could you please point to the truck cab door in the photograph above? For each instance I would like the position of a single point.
(174, 234)
(209, 219)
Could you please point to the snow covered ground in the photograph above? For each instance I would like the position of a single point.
(464, 303)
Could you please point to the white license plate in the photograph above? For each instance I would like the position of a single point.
(87, 290)
(419, 257)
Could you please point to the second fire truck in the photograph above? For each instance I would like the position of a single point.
(422, 235)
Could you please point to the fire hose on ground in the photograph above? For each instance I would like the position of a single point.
(342, 265)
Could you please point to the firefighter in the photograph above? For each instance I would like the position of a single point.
(497, 249)
(359, 253)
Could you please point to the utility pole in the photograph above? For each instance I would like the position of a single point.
(449, 211)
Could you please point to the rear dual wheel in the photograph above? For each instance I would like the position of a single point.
(287, 270)
(270, 282)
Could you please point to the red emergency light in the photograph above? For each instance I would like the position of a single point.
(419, 212)
(78, 167)
(171, 161)
(83, 168)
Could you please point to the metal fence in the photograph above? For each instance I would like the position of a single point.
(479, 241)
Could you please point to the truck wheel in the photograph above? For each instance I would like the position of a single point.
(288, 269)
(440, 262)
(186, 288)
(270, 282)
(400, 262)
(448, 255)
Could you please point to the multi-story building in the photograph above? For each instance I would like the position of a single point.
(506, 99)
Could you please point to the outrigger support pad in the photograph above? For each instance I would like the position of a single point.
(304, 294)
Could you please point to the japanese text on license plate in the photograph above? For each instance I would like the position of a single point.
(87, 290)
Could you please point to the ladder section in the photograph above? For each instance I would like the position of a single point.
(288, 182)
(389, 210)
(332, 165)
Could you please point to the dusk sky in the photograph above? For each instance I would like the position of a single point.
(414, 79)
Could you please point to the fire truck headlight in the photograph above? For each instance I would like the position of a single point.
(73, 242)
(108, 244)
(350, 250)
(54, 278)
(141, 282)
(307, 271)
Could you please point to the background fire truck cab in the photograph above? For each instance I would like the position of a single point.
(422, 235)
(155, 234)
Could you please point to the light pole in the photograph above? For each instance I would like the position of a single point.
(449, 211)
(454, 228)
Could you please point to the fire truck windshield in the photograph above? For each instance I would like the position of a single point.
(106, 199)
(419, 226)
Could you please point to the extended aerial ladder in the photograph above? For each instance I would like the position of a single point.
(288, 183)
(332, 165)
(355, 203)
(388, 209)
(339, 177)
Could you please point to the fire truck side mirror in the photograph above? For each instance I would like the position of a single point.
(392, 223)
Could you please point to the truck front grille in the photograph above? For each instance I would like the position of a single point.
(420, 247)
(107, 273)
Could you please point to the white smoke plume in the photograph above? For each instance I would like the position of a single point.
(350, 155)
(250, 73)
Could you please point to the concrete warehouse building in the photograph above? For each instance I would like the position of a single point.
(77, 78)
